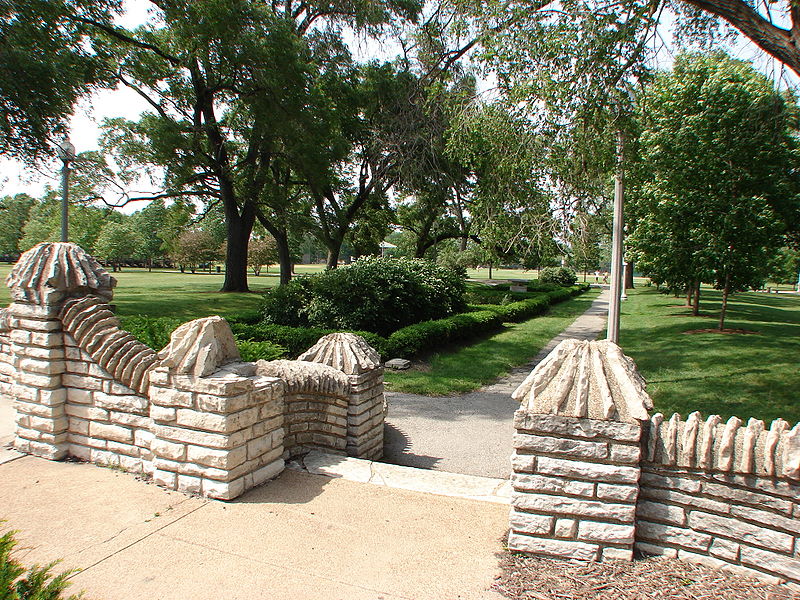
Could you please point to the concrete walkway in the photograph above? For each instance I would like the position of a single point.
(471, 433)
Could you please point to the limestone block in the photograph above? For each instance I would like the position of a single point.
(556, 548)
(724, 550)
(143, 438)
(530, 523)
(223, 490)
(79, 396)
(655, 511)
(776, 563)
(166, 479)
(583, 428)
(43, 450)
(270, 471)
(621, 493)
(54, 397)
(690, 501)
(79, 426)
(170, 450)
(742, 496)
(625, 454)
(617, 554)
(87, 412)
(547, 504)
(650, 479)
(43, 367)
(81, 382)
(564, 446)
(791, 453)
(115, 402)
(225, 384)
(523, 482)
(170, 398)
(740, 530)
(656, 533)
(200, 347)
(189, 485)
(583, 470)
(39, 381)
(219, 459)
(111, 432)
(766, 518)
(656, 550)
(162, 413)
(611, 533)
(566, 528)
(199, 438)
(123, 449)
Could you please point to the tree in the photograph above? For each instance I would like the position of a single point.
(262, 252)
(46, 63)
(717, 140)
(193, 248)
(116, 243)
(233, 86)
(14, 212)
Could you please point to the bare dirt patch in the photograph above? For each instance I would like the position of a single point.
(652, 578)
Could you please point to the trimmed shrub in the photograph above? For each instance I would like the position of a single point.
(152, 331)
(251, 351)
(375, 294)
(560, 276)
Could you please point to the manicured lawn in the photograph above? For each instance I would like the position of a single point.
(183, 295)
(744, 375)
(467, 368)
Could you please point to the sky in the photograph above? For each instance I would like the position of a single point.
(123, 102)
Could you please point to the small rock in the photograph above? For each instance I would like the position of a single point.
(399, 364)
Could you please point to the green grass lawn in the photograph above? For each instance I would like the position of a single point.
(467, 368)
(744, 375)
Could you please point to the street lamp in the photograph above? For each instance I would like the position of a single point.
(66, 152)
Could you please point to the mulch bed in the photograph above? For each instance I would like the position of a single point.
(534, 578)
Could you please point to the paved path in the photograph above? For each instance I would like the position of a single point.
(470, 433)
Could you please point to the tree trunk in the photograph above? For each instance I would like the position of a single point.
(689, 295)
(628, 276)
(239, 228)
(490, 270)
(333, 255)
(284, 257)
(696, 306)
(725, 293)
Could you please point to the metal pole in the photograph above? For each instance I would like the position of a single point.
(616, 243)
(65, 202)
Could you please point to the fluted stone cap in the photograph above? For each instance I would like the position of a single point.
(5, 319)
(586, 379)
(199, 347)
(347, 352)
(306, 377)
(57, 267)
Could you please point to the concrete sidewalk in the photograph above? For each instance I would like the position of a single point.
(471, 433)
(299, 536)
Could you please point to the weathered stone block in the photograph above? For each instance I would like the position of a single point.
(171, 398)
(582, 428)
(547, 504)
(655, 511)
(115, 402)
(170, 450)
(219, 459)
(621, 493)
(776, 563)
(605, 532)
(555, 548)
(656, 534)
(566, 528)
(690, 501)
(625, 454)
(724, 550)
(189, 485)
(42, 367)
(111, 432)
(740, 530)
(539, 444)
(542, 483)
(617, 554)
(530, 523)
(582, 470)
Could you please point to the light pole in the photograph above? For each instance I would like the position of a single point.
(616, 245)
(66, 152)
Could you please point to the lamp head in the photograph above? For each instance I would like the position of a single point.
(65, 150)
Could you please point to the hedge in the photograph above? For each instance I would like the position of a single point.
(268, 341)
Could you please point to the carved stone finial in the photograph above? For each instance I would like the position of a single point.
(58, 267)
(347, 352)
(306, 377)
(199, 347)
(588, 380)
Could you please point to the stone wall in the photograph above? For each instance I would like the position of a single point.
(594, 476)
(722, 494)
(194, 416)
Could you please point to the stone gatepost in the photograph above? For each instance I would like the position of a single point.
(218, 427)
(366, 407)
(41, 281)
(576, 454)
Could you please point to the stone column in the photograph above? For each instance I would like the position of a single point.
(366, 407)
(218, 427)
(40, 282)
(576, 454)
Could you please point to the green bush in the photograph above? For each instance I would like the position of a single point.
(152, 331)
(558, 275)
(294, 340)
(38, 583)
(374, 294)
(251, 351)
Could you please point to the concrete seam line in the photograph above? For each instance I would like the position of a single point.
(134, 542)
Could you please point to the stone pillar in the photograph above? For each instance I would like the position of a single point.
(366, 407)
(40, 282)
(218, 427)
(576, 454)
